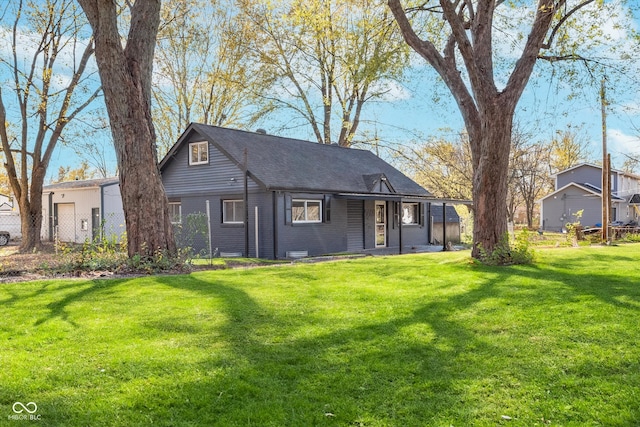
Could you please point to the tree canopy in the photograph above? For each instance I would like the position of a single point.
(323, 61)
(487, 78)
(50, 86)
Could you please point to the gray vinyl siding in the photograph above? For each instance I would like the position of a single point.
(316, 238)
(231, 237)
(561, 209)
(393, 228)
(369, 224)
(585, 174)
(416, 234)
(220, 175)
(355, 225)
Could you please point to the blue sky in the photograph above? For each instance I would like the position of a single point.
(410, 113)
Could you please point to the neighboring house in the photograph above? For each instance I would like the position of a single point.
(6, 203)
(9, 217)
(76, 211)
(303, 198)
(579, 189)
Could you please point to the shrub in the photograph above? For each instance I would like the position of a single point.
(504, 253)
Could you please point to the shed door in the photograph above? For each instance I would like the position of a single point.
(66, 222)
(355, 225)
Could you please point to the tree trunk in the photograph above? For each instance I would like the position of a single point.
(144, 201)
(31, 226)
(126, 81)
(490, 181)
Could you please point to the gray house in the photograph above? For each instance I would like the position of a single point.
(276, 197)
(579, 189)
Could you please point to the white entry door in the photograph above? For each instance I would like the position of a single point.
(381, 224)
(66, 222)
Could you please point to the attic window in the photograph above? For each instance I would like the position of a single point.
(199, 153)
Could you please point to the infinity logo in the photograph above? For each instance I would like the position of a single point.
(30, 407)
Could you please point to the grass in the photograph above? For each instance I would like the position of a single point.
(413, 340)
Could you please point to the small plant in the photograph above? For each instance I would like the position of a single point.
(159, 262)
(193, 232)
(506, 254)
(574, 229)
(631, 238)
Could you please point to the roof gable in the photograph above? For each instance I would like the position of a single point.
(378, 183)
(586, 187)
(279, 163)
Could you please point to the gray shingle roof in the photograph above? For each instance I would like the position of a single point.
(452, 214)
(597, 190)
(289, 164)
(87, 183)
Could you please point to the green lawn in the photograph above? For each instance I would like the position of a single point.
(415, 340)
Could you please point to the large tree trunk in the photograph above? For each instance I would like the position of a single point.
(490, 179)
(126, 82)
(487, 111)
(30, 225)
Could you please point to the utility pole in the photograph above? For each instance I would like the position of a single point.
(606, 174)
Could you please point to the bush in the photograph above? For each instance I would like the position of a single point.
(507, 254)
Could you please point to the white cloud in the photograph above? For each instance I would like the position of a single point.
(391, 91)
(623, 143)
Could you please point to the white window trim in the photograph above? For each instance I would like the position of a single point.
(199, 144)
(179, 204)
(306, 211)
(416, 219)
(224, 211)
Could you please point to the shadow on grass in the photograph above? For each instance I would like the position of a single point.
(343, 375)
(58, 309)
(618, 290)
(369, 373)
(412, 367)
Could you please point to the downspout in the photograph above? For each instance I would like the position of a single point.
(274, 197)
(51, 216)
(101, 227)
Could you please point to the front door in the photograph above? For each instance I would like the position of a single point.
(381, 224)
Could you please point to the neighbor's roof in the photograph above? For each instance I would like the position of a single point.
(280, 163)
(590, 189)
(592, 165)
(87, 183)
(452, 214)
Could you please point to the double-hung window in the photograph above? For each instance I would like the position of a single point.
(199, 153)
(306, 211)
(232, 211)
(175, 212)
(410, 213)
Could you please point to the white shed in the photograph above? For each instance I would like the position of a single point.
(77, 211)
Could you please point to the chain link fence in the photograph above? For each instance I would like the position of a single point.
(191, 233)
(70, 227)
